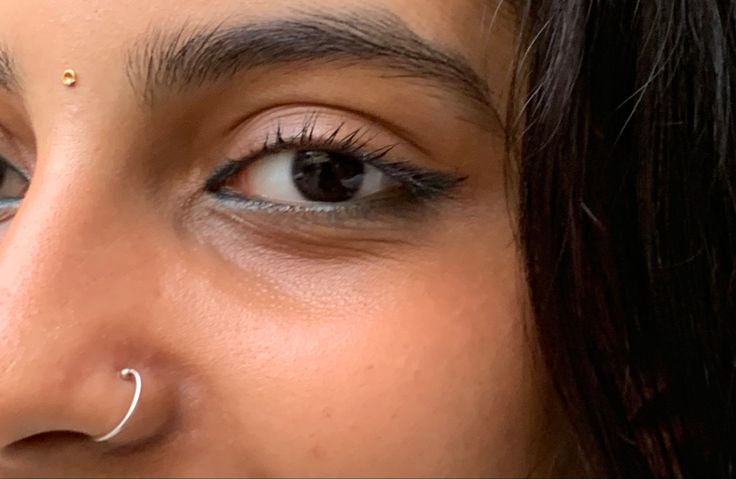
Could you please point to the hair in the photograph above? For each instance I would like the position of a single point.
(627, 221)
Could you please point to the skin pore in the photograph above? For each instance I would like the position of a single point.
(162, 230)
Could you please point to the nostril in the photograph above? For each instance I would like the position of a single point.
(50, 439)
(50, 452)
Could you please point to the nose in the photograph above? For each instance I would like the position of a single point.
(76, 304)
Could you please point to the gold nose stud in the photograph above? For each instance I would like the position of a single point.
(69, 78)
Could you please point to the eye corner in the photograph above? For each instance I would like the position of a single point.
(218, 179)
(14, 183)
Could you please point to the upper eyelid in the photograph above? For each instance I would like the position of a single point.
(321, 109)
(314, 126)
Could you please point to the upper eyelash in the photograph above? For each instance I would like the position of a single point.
(352, 143)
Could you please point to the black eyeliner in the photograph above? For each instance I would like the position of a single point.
(425, 184)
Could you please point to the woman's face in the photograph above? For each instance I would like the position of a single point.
(289, 216)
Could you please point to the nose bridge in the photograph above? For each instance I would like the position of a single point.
(65, 252)
(76, 256)
(72, 292)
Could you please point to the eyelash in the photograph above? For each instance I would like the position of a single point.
(419, 183)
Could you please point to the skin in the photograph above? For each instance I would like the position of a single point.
(269, 344)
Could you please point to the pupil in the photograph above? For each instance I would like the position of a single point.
(326, 176)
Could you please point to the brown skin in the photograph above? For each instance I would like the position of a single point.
(269, 344)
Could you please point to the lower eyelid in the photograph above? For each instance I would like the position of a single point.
(8, 207)
(361, 215)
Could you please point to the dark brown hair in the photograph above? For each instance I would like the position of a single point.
(628, 225)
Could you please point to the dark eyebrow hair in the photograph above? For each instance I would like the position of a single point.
(192, 56)
(8, 77)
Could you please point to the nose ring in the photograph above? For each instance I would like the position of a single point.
(125, 374)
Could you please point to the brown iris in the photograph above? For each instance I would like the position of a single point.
(327, 177)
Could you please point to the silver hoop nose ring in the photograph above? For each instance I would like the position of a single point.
(125, 374)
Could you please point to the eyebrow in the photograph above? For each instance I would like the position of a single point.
(162, 62)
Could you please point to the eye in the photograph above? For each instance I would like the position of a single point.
(319, 164)
(13, 184)
(304, 177)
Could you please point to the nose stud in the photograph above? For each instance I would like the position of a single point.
(125, 374)
(69, 78)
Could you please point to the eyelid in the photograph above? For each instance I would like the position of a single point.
(276, 110)
(250, 137)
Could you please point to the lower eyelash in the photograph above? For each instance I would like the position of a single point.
(258, 204)
(366, 212)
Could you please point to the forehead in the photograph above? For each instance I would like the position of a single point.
(125, 18)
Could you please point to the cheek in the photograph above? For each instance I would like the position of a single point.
(413, 368)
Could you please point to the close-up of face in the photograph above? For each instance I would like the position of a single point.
(289, 217)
